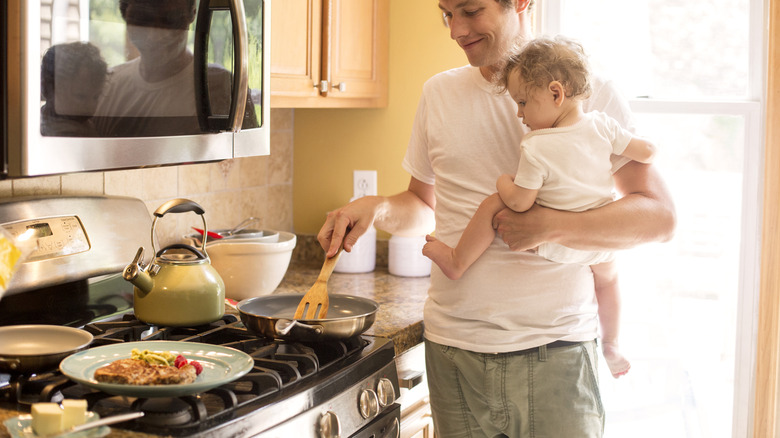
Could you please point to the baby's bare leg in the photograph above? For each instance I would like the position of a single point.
(608, 296)
(476, 238)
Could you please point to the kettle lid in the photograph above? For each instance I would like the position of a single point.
(193, 256)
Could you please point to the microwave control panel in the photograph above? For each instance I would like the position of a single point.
(53, 236)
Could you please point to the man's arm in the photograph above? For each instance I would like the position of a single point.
(645, 213)
(409, 212)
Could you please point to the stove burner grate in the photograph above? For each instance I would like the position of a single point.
(164, 411)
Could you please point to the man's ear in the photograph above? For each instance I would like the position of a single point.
(558, 92)
(522, 5)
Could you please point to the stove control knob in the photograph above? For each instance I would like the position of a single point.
(329, 425)
(369, 403)
(385, 392)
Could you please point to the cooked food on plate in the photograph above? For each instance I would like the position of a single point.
(150, 368)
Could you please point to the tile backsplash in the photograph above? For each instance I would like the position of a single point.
(229, 191)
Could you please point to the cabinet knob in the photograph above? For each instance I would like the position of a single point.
(322, 87)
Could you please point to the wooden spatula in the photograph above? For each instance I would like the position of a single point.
(314, 304)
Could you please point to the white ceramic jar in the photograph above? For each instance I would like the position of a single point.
(405, 257)
(362, 258)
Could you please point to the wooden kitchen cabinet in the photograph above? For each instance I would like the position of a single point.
(329, 53)
(416, 421)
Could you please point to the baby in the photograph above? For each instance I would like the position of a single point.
(72, 79)
(564, 164)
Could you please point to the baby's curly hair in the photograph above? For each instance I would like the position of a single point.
(546, 59)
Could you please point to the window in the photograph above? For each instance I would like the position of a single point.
(693, 72)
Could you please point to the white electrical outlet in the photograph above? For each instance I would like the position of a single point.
(364, 183)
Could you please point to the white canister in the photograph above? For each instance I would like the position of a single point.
(405, 257)
(362, 258)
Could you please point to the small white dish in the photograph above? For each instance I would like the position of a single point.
(21, 427)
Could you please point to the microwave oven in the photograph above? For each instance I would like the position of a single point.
(92, 85)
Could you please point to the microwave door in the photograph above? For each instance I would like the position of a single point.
(143, 118)
(32, 150)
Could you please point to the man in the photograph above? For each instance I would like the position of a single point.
(510, 347)
(154, 94)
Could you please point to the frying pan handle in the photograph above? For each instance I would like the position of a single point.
(285, 326)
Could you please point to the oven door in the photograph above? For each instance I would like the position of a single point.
(385, 425)
(100, 85)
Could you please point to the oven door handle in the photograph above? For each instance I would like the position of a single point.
(395, 431)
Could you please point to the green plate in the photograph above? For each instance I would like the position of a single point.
(220, 365)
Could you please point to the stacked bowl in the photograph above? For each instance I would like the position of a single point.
(252, 263)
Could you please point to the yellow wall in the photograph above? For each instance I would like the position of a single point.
(330, 143)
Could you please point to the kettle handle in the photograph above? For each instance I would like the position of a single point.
(180, 205)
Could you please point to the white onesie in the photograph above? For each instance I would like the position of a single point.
(571, 168)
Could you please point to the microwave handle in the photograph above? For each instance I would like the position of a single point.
(233, 122)
(241, 64)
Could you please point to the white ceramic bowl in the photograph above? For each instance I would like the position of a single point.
(251, 268)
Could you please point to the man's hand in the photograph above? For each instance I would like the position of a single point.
(523, 231)
(346, 224)
(409, 213)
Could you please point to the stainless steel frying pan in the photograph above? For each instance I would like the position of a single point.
(27, 349)
(272, 316)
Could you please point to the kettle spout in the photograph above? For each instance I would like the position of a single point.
(135, 273)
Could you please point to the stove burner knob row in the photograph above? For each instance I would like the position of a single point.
(385, 391)
(369, 403)
(329, 425)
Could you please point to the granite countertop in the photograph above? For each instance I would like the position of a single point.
(400, 299)
(399, 317)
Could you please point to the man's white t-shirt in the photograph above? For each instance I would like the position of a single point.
(464, 136)
(131, 106)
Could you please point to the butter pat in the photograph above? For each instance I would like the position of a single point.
(46, 418)
(74, 413)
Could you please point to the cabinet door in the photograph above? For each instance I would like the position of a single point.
(416, 421)
(296, 31)
(355, 51)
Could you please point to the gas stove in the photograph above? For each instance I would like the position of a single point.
(316, 387)
(345, 388)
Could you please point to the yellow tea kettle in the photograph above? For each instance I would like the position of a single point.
(179, 287)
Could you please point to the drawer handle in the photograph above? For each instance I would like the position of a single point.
(411, 379)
